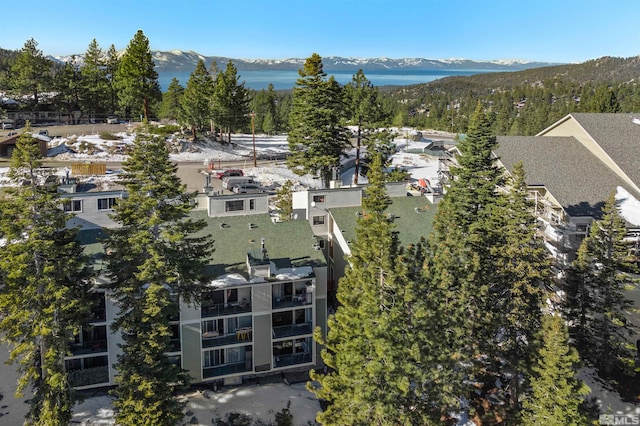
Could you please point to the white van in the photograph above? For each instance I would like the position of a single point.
(229, 182)
(7, 124)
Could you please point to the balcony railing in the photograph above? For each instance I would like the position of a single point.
(224, 370)
(221, 309)
(289, 301)
(89, 347)
(292, 330)
(294, 359)
(89, 376)
(212, 339)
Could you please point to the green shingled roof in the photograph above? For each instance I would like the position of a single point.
(235, 236)
(288, 244)
(413, 217)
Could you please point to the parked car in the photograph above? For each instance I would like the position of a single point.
(8, 124)
(248, 188)
(228, 182)
(112, 119)
(230, 172)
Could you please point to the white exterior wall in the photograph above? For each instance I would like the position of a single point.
(90, 217)
(218, 205)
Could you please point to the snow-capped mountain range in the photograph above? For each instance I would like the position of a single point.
(180, 61)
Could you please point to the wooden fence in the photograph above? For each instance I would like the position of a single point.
(85, 169)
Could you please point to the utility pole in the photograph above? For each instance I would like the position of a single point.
(253, 137)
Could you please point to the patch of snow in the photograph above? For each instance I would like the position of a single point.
(628, 206)
(228, 280)
(294, 273)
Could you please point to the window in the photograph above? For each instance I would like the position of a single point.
(252, 204)
(106, 203)
(213, 358)
(318, 220)
(72, 206)
(318, 198)
(234, 206)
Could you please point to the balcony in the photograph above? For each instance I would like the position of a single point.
(89, 347)
(221, 309)
(212, 338)
(291, 301)
(89, 376)
(294, 359)
(292, 330)
(227, 369)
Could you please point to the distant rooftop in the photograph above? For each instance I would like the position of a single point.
(412, 217)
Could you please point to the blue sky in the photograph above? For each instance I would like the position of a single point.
(537, 30)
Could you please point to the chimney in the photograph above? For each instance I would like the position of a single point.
(265, 256)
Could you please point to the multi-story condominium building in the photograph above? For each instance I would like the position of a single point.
(257, 314)
(572, 167)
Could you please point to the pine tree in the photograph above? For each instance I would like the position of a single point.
(67, 83)
(230, 101)
(45, 278)
(522, 269)
(94, 81)
(31, 72)
(364, 111)
(556, 393)
(154, 262)
(316, 139)
(136, 78)
(170, 107)
(195, 104)
(368, 343)
(112, 63)
(284, 201)
(596, 293)
(460, 269)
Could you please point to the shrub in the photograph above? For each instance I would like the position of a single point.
(164, 130)
(109, 136)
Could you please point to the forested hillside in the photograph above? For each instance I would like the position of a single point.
(518, 103)
(523, 102)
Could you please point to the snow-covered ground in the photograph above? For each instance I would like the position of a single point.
(258, 401)
(92, 147)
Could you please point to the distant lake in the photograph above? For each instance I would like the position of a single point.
(287, 79)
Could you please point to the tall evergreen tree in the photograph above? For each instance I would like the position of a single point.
(95, 86)
(112, 63)
(522, 268)
(284, 201)
(364, 111)
(317, 140)
(154, 261)
(195, 104)
(368, 344)
(68, 86)
(45, 279)
(460, 267)
(31, 72)
(170, 107)
(556, 393)
(136, 78)
(230, 101)
(596, 297)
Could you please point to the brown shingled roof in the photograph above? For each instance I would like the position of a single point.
(575, 177)
(618, 135)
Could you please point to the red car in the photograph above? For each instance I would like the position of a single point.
(230, 172)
